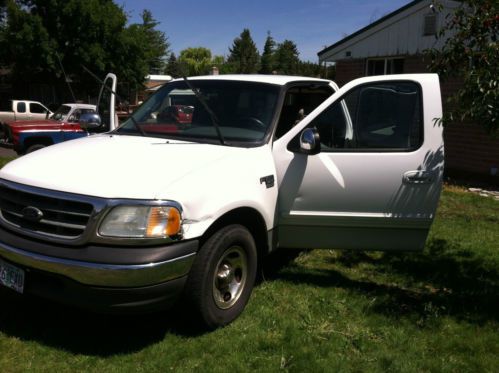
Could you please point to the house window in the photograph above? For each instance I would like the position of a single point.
(385, 66)
(430, 25)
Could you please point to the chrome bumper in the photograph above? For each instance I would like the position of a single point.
(106, 275)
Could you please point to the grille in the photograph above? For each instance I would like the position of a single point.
(61, 217)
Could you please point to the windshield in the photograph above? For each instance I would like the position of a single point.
(243, 110)
(61, 113)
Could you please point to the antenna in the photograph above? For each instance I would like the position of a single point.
(68, 81)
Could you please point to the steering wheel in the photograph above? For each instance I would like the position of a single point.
(253, 122)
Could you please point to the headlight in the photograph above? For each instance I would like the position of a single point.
(141, 222)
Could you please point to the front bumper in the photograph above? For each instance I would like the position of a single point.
(134, 275)
(102, 274)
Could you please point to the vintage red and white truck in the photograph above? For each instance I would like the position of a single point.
(138, 216)
(26, 136)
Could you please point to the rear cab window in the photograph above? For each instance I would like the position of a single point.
(298, 102)
(21, 107)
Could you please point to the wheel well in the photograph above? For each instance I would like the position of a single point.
(247, 217)
(37, 140)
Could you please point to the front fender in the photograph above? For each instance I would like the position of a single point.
(226, 185)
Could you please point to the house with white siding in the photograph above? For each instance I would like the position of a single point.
(394, 44)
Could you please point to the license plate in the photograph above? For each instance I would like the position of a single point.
(11, 277)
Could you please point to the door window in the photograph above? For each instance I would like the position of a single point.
(37, 109)
(75, 116)
(374, 117)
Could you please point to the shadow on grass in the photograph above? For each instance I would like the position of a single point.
(445, 279)
(82, 332)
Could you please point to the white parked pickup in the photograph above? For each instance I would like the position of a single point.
(158, 207)
(23, 110)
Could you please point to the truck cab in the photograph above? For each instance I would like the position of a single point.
(266, 163)
(23, 110)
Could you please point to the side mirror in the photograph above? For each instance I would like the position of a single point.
(90, 121)
(310, 141)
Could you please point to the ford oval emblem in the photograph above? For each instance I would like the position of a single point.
(32, 213)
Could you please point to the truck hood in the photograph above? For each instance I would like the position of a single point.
(111, 166)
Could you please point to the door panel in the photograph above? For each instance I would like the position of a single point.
(377, 180)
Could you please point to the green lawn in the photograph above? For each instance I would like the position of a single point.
(4, 161)
(322, 311)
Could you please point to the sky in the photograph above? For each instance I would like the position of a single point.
(214, 24)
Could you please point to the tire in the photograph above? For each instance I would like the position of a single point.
(222, 276)
(34, 148)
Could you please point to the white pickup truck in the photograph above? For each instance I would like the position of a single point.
(23, 110)
(159, 207)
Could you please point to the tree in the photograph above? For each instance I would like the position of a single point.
(172, 66)
(153, 42)
(243, 54)
(93, 33)
(3, 9)
(311, 69)
(195, 61)
(222, 65)
(472, 53)
(268, 56)
(287, 60)
(26, 39)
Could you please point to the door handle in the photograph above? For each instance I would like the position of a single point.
(418, 177)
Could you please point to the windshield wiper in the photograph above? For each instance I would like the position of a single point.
(136, 125)
(213, 117)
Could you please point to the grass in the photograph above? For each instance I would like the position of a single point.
(4, 161)
(437, 310)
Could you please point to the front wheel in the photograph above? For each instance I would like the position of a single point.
(222, 276)
(34, 148)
